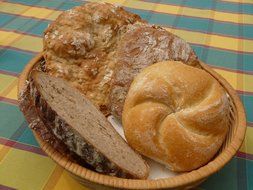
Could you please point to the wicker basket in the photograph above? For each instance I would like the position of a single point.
(234, 139)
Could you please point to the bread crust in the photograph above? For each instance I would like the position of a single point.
(80, 46)
(100, 47)
(35, 122)
(176, 114)
(57, 132)
(143, 45)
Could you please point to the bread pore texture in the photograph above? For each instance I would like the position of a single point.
(176, 114)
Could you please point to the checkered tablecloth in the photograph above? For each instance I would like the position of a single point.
(220, 32)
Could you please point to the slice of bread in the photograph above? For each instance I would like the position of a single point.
(75, 121)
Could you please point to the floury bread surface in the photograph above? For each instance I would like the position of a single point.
(141, 46)
(99, 48)
(176, 114)
(80, 46)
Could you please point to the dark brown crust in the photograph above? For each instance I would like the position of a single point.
(32, 118)
(36, 124)
(48, 116)
(141, 46)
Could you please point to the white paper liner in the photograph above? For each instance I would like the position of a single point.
(157, 170)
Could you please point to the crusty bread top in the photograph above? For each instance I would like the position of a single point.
(95, 43)
(80, 46)
(84, 124)
(176, 114)
(141, 46)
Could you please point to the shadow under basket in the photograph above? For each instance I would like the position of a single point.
(94, 180)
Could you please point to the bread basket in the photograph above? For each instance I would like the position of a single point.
(234, 139)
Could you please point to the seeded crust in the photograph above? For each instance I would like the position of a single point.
(58, 133)
(99, 48)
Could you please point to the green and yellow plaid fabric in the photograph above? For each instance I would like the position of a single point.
(220, 32)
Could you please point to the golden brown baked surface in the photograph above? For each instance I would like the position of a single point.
(80, 47)
(141, 46)
(99, 48)
(176, 114)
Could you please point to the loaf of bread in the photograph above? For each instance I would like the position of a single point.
(141, 46)
(73, 125)
(176, 114)
(80, 46)
(99, 48)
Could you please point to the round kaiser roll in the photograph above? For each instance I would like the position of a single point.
(176, 114)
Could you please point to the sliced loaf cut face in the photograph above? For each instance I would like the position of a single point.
(36, 124)
(75, 121)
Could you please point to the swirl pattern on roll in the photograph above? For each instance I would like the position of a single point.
(176, 114)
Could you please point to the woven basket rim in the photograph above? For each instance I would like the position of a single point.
(176, 181)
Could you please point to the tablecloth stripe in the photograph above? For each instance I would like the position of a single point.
(220, 32)
(217, 39)
(220, 5)
(66, 182)
(54, 177)
(14, 136)
(158, 15)
(249, 2)
(77, 3)
(196, 38)
(37, 169)
(13, 61)
(22, 24)
(197, 24)
(244, 155)
(65, 4)
(5, 72)
(20, 146)
(191, 12)
(8, 100)
(3, 151)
